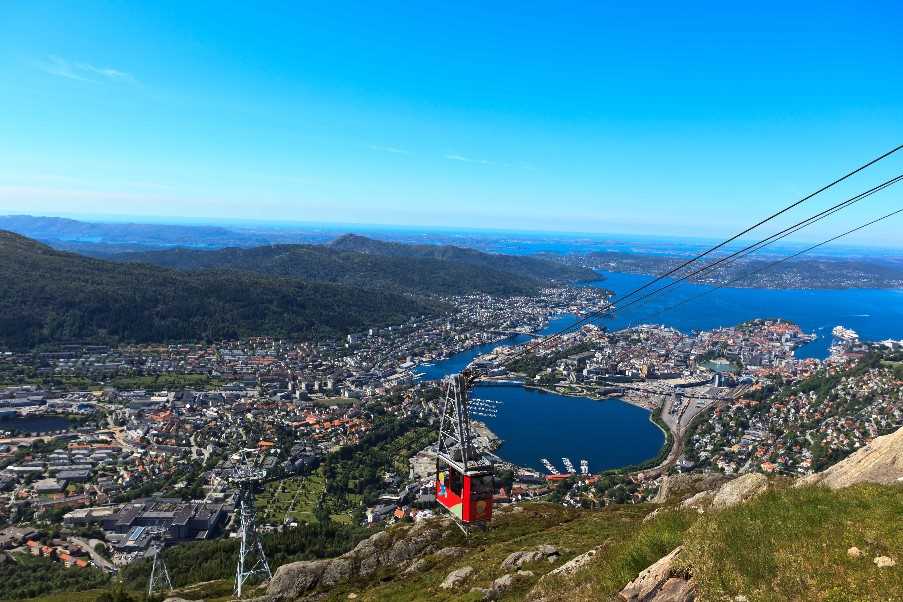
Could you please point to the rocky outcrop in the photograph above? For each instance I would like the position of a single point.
(515, 560)
(456, 578)
(395, 548)
(881, 461)
(658, 583)
(699, 502)
(574, 564)
(739, 490)
(681, 485)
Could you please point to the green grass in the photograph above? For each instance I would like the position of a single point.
(573, 531)
(295, 498)
(792, 544)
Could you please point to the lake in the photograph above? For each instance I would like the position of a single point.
(535, 424)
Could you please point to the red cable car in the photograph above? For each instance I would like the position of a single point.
(465, 483)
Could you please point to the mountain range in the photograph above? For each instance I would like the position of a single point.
(293, 291)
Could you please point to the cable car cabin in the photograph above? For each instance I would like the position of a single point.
(467, 495)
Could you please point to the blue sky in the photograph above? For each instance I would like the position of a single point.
(671, 118)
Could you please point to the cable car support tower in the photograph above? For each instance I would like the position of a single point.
(159, 580)
(252, 561)
(464, 480)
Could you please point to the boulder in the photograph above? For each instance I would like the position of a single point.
(575, 564)
(295, 578)
(515, 560)
(881, 461)
(650, 581)
(502, 583)
(676, 589)
(854, 552)
(450, 552)
(178, 599)
(337, 571)
(456, 578)
(700, 501)
(739, 490)
(418, 566)
(884, 562)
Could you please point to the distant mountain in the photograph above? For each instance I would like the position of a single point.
(53, 296)
(421, 275)
(526, 266)
(58, 229)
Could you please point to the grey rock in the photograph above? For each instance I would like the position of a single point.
(676, 590)
(418, 566)
(450, 552)
(515, 560)
(881, 461)
(699, 501)
(456, 578)
(295, 578)
(575, 564)
(337, 571)
(485, 592)
(650, 580)
(739, 490)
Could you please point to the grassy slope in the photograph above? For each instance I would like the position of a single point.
(786, 544)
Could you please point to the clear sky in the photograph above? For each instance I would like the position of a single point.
(658, 117)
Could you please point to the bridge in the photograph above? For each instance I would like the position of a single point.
(514, 333)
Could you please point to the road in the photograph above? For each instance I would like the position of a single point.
(88, 546)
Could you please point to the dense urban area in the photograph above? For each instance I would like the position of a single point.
(111, 453)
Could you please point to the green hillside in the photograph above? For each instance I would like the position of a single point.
(52, 296)
(525, 266)
(420, 275)
(786, 544)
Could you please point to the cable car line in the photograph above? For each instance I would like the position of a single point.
(464, 477)
(763, 221)
(778, 262)
(722, 261)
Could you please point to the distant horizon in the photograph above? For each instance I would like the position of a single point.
(363, 228)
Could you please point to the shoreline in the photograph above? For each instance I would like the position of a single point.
(671, 439)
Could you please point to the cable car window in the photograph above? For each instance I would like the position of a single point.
(455, 482)
(482, 487)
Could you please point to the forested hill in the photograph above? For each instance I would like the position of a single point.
(525, 266)
(422, 275)
(53, 296)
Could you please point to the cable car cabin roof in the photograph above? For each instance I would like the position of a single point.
(473, 469)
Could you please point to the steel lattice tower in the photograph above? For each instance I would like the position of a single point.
(455, 443)
(159, 578)
(252, 561)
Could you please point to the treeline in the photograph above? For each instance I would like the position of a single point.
(29, 577)
(358, 469)
(319, 263)
(55, 297)
(209, 560)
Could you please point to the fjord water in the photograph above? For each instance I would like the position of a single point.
(536, 424)
(876, 314)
